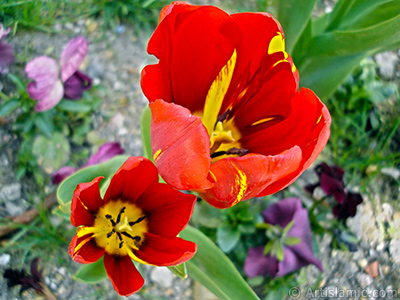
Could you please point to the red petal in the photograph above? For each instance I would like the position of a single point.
(181, 146)
(86, 201)
(155, 80)
(123, 274)
(252, 50)
(193, 43)
(132, 179)
(88, 253)
(155, 83)
(168, 211)
(242, 178)
(160, 251)
(307, 126)
(269, 96)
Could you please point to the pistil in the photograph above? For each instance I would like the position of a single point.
(123, 225)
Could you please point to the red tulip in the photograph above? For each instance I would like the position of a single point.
(138, 219)
(228, 119)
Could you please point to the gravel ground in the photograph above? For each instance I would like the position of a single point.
(115, 62)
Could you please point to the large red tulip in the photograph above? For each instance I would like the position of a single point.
(228, 119)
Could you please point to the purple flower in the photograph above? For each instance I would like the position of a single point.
(331, 182)
(61, 174)
(297, 252)
(6, 51)
(26, 281)
(105, 152)
(54, 80)
(348, 208)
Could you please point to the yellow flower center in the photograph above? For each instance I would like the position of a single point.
(119, 227)
(224, 140)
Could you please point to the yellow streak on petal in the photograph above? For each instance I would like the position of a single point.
(319, 120)
(217, 92)
(242, 93)
(82, 231)
(241, 181)
(156, 155)
(279, 61)
(83, 204)
(262, 121)
(294, 68)
(213, 176)
(80, 245)
(134, 257)
(277, 44)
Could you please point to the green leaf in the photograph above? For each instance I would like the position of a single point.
(360, 9)
(323, 75)
(349, 42)
(145, 122)
(268, 247)
(92, 273)
(179, 270)
(288, 227)
(294, 16)
(106, 169)
(18, 83)
(63, 211)
(291, 240)
(74, 106)
(380, 14)
(227, 237)
(247, 228)
(52, 153)
(9, 107)
(341, 8)
(206, 215)
(279, 293)
(213, 269)
(280, 255)
(44, 122)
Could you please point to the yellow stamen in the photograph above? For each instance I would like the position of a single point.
(219, 136)
(119, 225)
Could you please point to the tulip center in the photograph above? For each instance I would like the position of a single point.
(120, 227)
(224, 139)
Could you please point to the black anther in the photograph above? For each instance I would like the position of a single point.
(137, 221)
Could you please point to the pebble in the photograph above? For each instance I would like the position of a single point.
(15, 208)
(120, 29)
(11, 192)
(162, 276)
(364, 280)
(5, 259)
(380, 246)
(390, 171)
(385, 269)
(387, 62)
(394, 248)
(362, 263)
